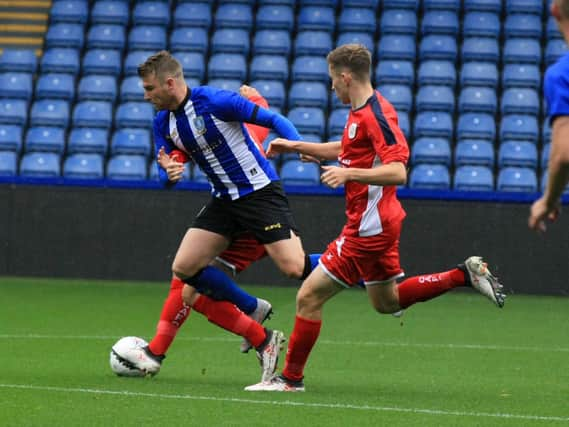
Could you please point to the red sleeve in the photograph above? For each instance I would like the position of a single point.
(388, 139)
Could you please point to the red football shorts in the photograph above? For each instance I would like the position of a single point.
(243, 251)
(375, 260)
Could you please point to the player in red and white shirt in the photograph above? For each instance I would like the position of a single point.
(372, 154)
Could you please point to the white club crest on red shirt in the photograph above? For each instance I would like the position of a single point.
(352, 130)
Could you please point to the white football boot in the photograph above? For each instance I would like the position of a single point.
(277, 383)
(268, 353)
(262, 312)
(143, 359)
(481, 279)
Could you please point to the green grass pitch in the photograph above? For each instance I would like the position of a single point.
(455, 361)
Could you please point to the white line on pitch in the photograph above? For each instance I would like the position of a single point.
(325, 342)
(290, 403)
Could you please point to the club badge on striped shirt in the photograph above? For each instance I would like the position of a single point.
(352, 130)
(199, 125)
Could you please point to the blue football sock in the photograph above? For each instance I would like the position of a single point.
(214, 283)
(314, 260)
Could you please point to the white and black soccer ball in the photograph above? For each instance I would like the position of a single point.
(123, 351)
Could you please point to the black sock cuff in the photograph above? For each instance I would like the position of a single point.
(193, 280)
(307, 267)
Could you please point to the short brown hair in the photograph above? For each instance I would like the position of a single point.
(563, 8)
(354, 57)
(162, 65)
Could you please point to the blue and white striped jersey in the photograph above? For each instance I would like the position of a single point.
(208, 126)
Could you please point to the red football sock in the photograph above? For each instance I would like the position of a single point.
(302, 340)
(230, 318)
(428, 286)
(174, 314)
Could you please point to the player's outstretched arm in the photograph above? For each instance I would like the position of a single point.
(326, 151)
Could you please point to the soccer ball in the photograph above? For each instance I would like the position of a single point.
(125, 349)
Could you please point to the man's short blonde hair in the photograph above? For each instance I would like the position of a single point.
(162, 65)
(353, 57)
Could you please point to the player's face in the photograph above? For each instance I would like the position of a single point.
(156, 93)
(339, 85)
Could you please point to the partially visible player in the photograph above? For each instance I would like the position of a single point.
(373, 155)
(556, 91)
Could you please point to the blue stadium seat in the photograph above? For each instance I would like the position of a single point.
(199, 176)
(234, 16)
(93, 114)
(195, 15)
(372, 4)
(479, 74)
(316, 43)
(230, 40)
(438, 47)
(451, 5)
(437, 73)
(522, 50)
(435, 98)
(544, 158)
(523, 25)
(308, 120)
(227, 66)
(517, 179)
(520, 100)
(297, 172)
(483, 6)
(8, 163)
(134, 114)
(97, 87)
(395, 72)
(55, 86)
(107, 36)
(229, 84)
(309, 68)
(151, 13)
(268, 42)
(22, 60)
(269, 67)
(69, 11)
(60, 61)
(83, 166)
(337, 121)
(517, 126)
(357, 19)
(399, 96)
(11, 138)
(397, 47)
(16, 85)
(551, 29)
(481, 24)
(399, 21)
(483, 49)
(13, 111)
(131, 89)
(131, 141)
(189, 39)
(440, 22)
(524, 6)
(473, 178)
(147, 37)
(429, 177)
(134, 59)
(290, 3)
(314, 18)
(88, 140)
(521, 75)
(554, 49)
(433, 123)
(404, 123)
(546, 132)
(65, 35)
(354, 37)
(40, 165)
(477, 99)
(272, 90)
(275, 17)
(517, 153)
(45, 138)
(110, 12)
(476, 125)
(401, 4)
(50, 112)
(193, 64)
(474, 152)
(308, 94)
(102, 61)
(127, 167)
(431, 150)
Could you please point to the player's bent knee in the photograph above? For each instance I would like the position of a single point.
(385, 307)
